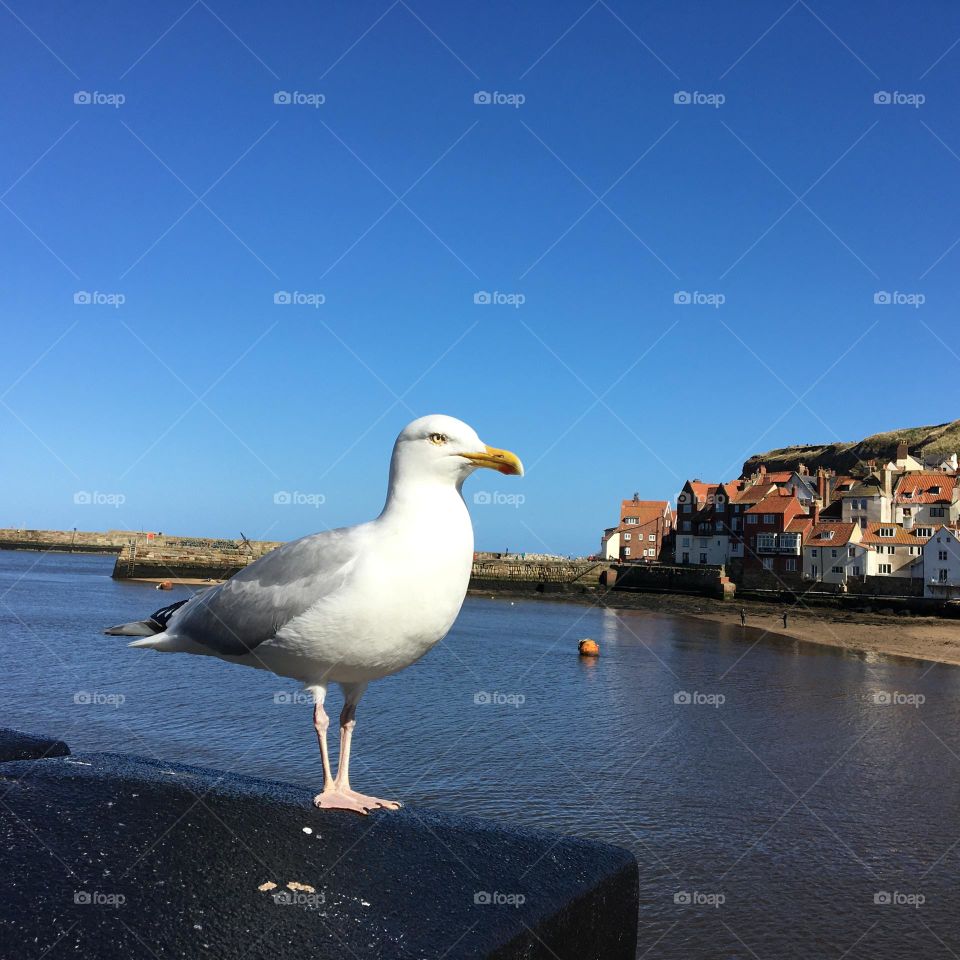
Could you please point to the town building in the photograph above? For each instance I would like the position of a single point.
(644, 526)
(927, 499)
(833, 553)
(894, 551)
(941, 565)
(774, 532)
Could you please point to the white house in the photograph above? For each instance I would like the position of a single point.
(927, 499)
(894, 551)
(833, 553)
(941, 565)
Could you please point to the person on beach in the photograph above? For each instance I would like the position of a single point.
(743, 617)
(784, 619)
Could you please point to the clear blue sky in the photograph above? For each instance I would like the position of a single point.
(597, 200)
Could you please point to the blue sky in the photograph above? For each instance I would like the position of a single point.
(781, 194)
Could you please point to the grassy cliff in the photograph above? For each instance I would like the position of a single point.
(942, 439)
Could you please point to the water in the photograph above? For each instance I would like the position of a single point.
(797, 800)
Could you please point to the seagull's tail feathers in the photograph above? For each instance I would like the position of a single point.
(137, 628)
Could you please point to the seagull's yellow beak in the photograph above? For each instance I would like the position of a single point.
(502, 460)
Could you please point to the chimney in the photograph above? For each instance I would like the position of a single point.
(802, 470)
(902, 453)
(816, 512)
(823, 490)
(887, 476)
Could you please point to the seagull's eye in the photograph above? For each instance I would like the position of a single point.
(437, 438)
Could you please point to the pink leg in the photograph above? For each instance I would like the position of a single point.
(337, 794)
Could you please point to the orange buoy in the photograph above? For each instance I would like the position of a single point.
(589, 648)
(164, 585)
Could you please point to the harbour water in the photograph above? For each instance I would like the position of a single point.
(782, 799)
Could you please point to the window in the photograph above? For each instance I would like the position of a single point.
(766, 542)
(703, 558)
(813, 552)
(813, 570)
(935, 489)
(851, 552)
(907, 512)
(685, 542)
(943, 575)
(686, 558)
(626, 551)
(719, 507)
(703, 541)
(791, 564)
(836, 569)
(884, 568)
(687, 508)
(751, 518)
(736, 508)
(937, 512)
(768, 563)
(652, 538)
(768, 518)
(863, 523)
(686, 524)
(886, 532)
(833, 553)
(941, 554)
(630, 520)
(626, 536)
(924, 531)
(856, 571)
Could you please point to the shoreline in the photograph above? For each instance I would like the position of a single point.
(928, 639)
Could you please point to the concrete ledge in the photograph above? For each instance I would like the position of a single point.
(22, 746)
(112, 852)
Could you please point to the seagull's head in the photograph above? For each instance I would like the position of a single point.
(446, 449)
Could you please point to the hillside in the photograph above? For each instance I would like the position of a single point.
(942, 439)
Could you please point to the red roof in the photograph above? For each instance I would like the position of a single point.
(778, 501)
(871, 535)
(645, 511)
(752, 494)
(920, 487)
(832, 534)
(798, 525)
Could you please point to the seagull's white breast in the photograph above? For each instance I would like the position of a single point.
(397, 602)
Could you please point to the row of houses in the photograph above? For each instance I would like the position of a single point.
(896, 521)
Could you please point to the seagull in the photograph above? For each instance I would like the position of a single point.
(350, 605)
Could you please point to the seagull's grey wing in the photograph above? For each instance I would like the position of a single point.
(235, 617)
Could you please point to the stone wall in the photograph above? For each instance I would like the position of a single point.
(668, 578)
